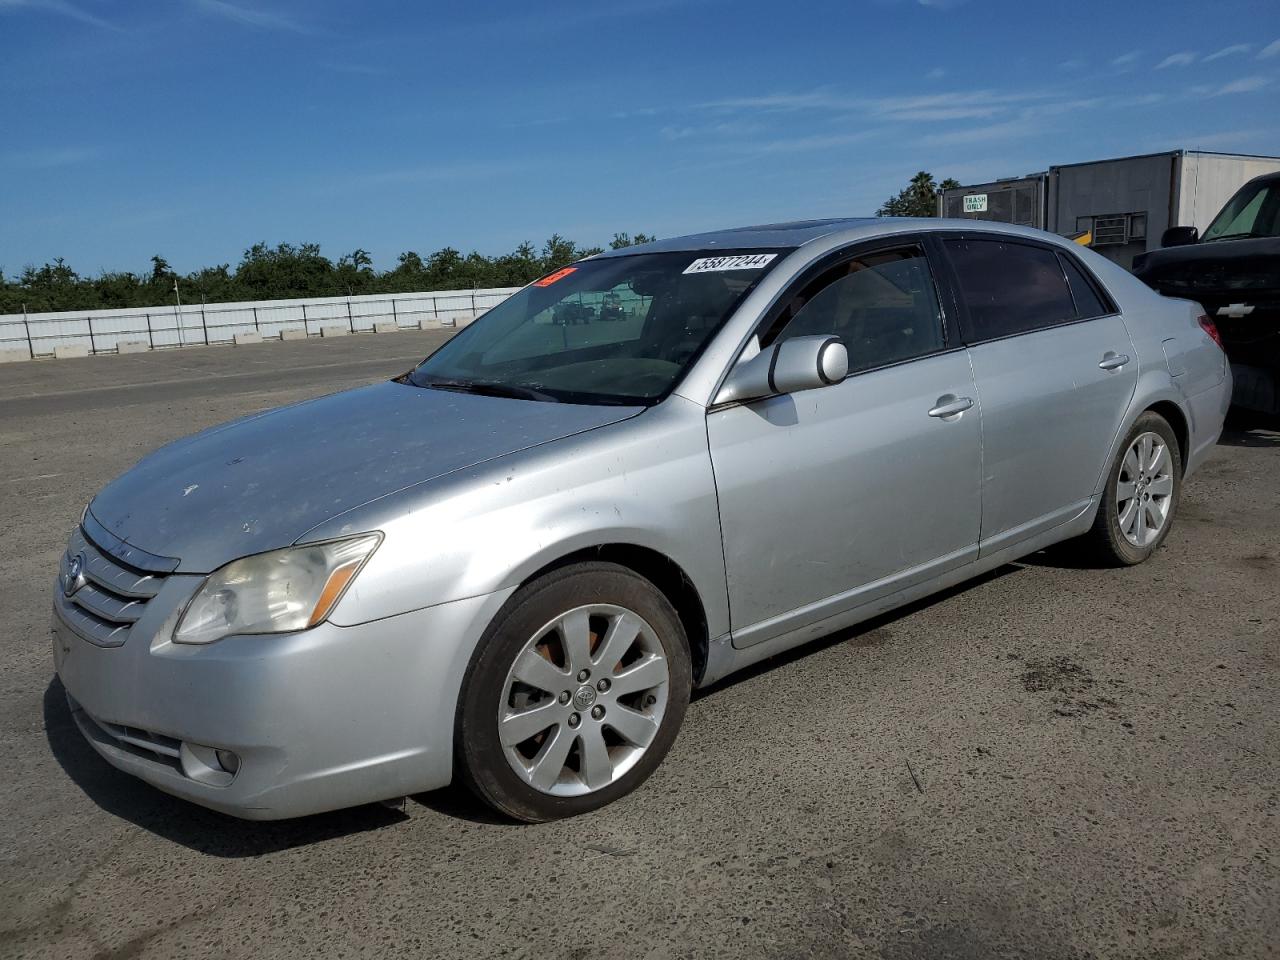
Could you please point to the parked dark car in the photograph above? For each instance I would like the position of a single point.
(1234, 271)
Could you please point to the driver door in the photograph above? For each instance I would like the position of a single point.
(837, 496)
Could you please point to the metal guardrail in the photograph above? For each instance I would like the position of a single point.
(201, 324)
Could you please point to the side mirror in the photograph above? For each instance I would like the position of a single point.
(803, 363)
(1179, 236)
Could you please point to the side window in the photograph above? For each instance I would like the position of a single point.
(1088, 303)
(882, 305)
(1009, 287)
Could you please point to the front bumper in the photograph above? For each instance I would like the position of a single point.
(327, 718)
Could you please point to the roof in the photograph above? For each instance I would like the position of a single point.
(1165, 153)
(788, 236)
(764, 236)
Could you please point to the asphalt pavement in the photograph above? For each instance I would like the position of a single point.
(1050, 762)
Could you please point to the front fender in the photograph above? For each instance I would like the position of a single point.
(645, 482)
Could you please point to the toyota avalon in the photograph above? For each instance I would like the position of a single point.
(513, 564)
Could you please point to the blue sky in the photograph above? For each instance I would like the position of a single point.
(194, 128)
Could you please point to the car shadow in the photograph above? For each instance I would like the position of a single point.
(458, 803)
(1068, 555)
(1248, 429)
(869, 633)
(182, 822)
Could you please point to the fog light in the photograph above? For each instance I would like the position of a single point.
(227, 760)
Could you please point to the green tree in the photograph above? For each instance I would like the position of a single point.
(621, 240)
(918, 199)
(160, 269)
(289, 270)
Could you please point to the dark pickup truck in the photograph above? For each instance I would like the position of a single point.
(1233, 270)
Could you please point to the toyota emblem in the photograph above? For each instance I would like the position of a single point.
(74, 578)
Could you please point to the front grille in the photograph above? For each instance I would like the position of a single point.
(108, 596)
(140, 743)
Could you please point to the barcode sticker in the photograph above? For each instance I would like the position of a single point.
(749, 261)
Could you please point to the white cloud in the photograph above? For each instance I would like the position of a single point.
(805, 144)
(1234, 50)
(249, 16)
(424, 174)
(957, 104)
(1225, 138)
(1058, 107)
(1183, 59)
(1243, 85)
(1272, 49)
(1073, 64)
(927, 114)
(357, 69)
(1126, 58)
(982, 133)
(60, 7)
(937, 73)
(49, 157)
(1138, 100)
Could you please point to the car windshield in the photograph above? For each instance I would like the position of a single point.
(616, 330)
(1253, 212)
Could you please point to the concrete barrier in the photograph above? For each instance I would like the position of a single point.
(249, 336)
(431, 324)
(217, 323)
(293, 334)
(132, 346)
(15, 356)
(386, 328)
(334, 331)
(67, 351)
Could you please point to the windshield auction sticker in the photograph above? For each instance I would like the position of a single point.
(551, 278)
(750, 261)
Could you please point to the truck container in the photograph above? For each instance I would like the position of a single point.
(1119, 207)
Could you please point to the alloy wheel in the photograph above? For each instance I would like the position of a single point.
(1144, 489)
(583, 700)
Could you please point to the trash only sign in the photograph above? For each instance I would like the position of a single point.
(975, 203)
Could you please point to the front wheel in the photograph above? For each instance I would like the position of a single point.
(1141, 495)
(575, 693)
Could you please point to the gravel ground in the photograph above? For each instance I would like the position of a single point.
(1049, 762)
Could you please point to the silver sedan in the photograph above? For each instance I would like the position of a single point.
(645, 471)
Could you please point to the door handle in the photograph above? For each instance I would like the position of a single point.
(1113, 361)
(950, 405)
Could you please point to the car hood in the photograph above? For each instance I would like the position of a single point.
(262, 482)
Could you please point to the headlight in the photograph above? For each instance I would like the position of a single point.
(276, 592)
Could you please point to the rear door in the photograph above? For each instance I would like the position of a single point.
(1055, 371)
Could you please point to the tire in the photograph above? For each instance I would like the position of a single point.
(524, 679)
(1112, 541)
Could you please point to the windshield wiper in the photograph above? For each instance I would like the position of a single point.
(490, 388)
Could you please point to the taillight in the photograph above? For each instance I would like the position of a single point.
(1209, 327)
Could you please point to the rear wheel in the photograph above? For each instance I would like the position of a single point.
(575, 694)
(1141, 495)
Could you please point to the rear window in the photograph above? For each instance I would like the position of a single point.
(1088, 303)
(1009, 288)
